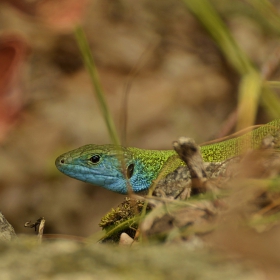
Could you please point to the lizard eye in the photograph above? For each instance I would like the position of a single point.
(129, 171)
(95, 159)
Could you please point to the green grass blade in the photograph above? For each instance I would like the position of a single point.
(212, 22)
(90, 66)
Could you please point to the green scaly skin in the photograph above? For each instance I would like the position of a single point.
(118, 168)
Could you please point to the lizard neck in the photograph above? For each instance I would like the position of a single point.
(151, 164)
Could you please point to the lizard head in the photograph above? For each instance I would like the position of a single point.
(113, 167)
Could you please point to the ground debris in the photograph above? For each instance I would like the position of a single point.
(7, 232)
(61, 259)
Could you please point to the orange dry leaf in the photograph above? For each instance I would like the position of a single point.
(62, 15)
(13, 50)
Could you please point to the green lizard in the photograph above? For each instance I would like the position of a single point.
(111, 166)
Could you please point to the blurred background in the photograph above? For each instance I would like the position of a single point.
(163, 73)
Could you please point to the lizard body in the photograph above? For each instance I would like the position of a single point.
(111, 166)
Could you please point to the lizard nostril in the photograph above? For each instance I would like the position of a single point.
(62, 161)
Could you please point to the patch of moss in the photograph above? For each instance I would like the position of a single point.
(122, 219)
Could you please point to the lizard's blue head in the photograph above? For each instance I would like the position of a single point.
(113, 167)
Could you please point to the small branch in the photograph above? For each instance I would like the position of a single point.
(40, 224)
(189, 152)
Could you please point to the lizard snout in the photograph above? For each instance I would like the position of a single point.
(62, 160)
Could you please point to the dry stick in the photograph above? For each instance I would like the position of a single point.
(189, 152)
(228, 125)
(132, 75)
(41, 223)
(41, 229)
(271, 64)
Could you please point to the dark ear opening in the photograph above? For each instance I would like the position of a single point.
(129, 170)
